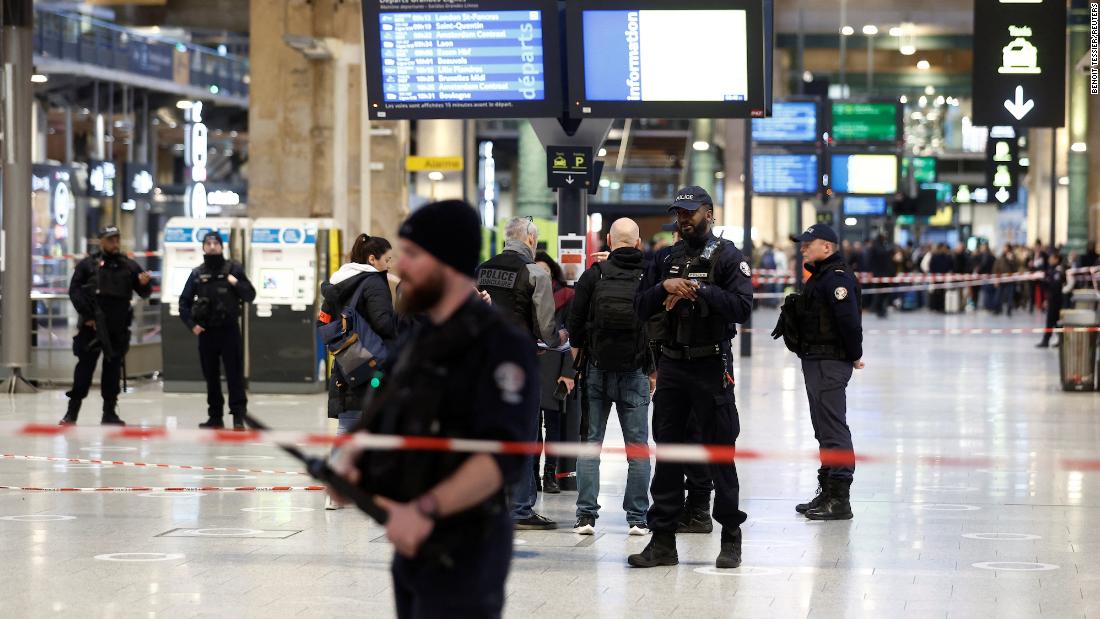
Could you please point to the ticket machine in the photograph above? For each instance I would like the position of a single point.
(182, 253)
(288, 259)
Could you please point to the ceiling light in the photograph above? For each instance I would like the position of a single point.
(847, 31)
(903, 99)
(870, 30)
(907, 50)
(701, 145)
(1025, 162)
(940, 100)
(1078, 147)
(851, 221)
(38, 78)
(435, 176)
(923, 101)
(807, 77)
(184, 104)
(1063, 181)
(929, 90)
(924, 65)
(602, 153)
(604, 182)
(896, 31)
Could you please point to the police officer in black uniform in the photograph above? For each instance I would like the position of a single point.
(101, 289)
(823, 325)
(464, 372)
(704, 286)
(210, 306)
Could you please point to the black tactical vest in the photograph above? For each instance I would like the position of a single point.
(214, 297)
(695, 324)
(507, 280)
(818, 334)
(113, 277)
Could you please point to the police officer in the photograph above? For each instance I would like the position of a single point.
(704, 286)
(524, 293)
(101, 289)
(210, 306)
(823, 325)
(464, 372)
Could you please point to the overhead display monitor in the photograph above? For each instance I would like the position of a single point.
(866, 174)
(924, 169)
(469, 59)
(786, 174)
(870, 206)
(790, 122)
(667, 58)
(865, 122)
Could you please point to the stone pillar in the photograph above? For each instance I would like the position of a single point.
(703, 163)
(440, 138)
(1077, 204)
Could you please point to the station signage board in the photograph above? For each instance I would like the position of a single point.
(568, 166)
(1002, 164)
(1019, 63)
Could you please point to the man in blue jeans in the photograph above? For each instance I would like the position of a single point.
(615, 346)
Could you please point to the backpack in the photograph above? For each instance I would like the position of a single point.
(615, 333)
(356, 349)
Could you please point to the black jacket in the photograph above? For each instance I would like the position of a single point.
(244, 291)
(836, 289)
(624, 257)
(89, 283)
(376, 306)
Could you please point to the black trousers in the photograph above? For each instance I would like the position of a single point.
(87, 352)
(697, 476)
(826, 381)
(472, 589)
(223, 344)
(685, 389)
(1054, 311)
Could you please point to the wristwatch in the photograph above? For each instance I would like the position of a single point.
(428, 505)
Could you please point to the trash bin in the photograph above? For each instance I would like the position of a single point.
(1077, 356)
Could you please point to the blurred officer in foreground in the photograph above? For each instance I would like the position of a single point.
(464, 372)
(211, 307)
(823, 326)
(101, 289)
(704, 286)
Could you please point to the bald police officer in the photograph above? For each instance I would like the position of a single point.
(823, 325)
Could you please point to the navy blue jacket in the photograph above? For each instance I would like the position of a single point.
(836, 289)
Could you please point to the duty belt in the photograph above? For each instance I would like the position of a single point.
(826, 349)
(691, 352)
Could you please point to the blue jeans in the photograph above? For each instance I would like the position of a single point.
(629, 391)
(524, 492)
(348, 420)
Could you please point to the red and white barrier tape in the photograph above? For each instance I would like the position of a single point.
(917, 278)
(129, 254)
(975, 331)
(132, 489)
(174, 467)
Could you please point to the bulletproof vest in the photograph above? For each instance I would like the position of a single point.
(818, 336)
(507, 280)
(692, 324)
(214, 297)
(113, 277)
(615, 333)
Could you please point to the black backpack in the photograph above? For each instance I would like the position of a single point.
(616, 336)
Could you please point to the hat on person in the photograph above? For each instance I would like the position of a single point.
(109, 231)
(816, 231)
(449, 230)
(212, 234)
(691, 198)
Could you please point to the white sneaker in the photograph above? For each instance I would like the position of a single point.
(585, 525)
(638, 529)
(331, 505)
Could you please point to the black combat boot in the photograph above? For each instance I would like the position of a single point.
(214, 422)
(71, 413)
(819, 498)
(837, 506)
(238, 422)
(550, 477)
(695, 515)
(110, 414)
(730, 555)
(661, 550)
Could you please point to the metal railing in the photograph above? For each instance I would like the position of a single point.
(79, 38)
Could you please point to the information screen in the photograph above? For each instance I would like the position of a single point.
(864, 174)
(276, 283)
(864, 122)
(791, 121)
(666, 58)
(785, 174)
(486, 58)
(873, 206)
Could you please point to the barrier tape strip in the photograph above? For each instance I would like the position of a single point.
(975, 331)
(170, 489)
(129, 254)
(684, 453)
(174, 467)
(867, 274)
(969, 280)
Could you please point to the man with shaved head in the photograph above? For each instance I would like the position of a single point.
(605, 329)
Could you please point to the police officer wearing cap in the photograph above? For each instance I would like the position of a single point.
(464, 372)
(823, 325)
(101, 289)
(210, 306)
(703, 287)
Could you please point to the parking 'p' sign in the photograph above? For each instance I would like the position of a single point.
(1019, 63)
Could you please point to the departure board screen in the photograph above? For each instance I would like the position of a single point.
(482, 59)
(865, 122)
(785, 174)
(864, 174)
(791, 121)
(865, 205)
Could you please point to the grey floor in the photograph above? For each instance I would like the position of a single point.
(1016, 537)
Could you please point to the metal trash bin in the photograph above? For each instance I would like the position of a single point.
(1078, 353)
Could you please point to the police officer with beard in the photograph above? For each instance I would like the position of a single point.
(101, 289)
(464, 372)
(210, 306)
(824, 326)
(703, 286)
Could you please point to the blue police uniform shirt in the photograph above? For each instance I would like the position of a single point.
(838, 290)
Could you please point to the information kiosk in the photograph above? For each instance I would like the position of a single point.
(288, 259)
(182, 253)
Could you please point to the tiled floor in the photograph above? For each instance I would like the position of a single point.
(915, 547)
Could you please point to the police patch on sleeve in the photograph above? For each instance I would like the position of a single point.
(509, 378)
(745, 269)
(840, 293)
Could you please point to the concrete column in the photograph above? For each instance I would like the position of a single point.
(1094, 167)
(39, 127)
(1038, 181)
(703, 163)
(1077, 204)
(532, 195)
(440, 138)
